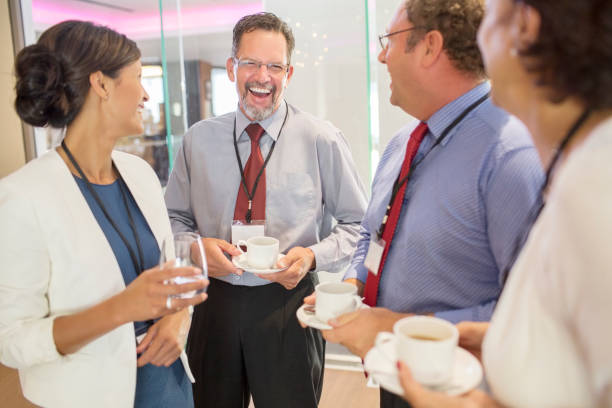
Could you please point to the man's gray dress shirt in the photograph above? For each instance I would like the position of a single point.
(314, 197)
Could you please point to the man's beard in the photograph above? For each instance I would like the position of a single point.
(258, 114)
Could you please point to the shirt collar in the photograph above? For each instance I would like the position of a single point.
(448, 113)
(272, 124)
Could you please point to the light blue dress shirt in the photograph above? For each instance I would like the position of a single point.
(314, 197)
(464, 205)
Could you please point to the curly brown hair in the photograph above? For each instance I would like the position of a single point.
(458, 22)
(573, 53)
(262, 21)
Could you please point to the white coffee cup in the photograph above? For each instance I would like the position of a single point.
(262, 252)
(426, 345)
(334, 299)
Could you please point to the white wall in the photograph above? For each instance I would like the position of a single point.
(391, 118)
(330, 65)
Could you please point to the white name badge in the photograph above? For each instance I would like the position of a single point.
(242, 231)
(375, 252)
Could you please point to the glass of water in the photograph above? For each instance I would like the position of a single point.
(184, 249)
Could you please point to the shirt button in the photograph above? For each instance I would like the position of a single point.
(236, 277)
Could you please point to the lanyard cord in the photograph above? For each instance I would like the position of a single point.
(137, 262)
(397, 186)
(539, 205)
(251, 194)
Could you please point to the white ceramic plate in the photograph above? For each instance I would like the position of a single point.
(467, 371)
(310, 319)
(240, 261)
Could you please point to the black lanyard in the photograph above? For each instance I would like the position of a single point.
(136, 261)
(539, 205)
(251, 194)
(397, 186)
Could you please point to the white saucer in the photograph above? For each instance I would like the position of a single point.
(310, 319)
(467, 371)
(240, 262)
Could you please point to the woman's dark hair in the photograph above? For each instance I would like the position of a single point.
(573, 53)
(53, 74)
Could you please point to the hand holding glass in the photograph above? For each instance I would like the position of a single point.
(184, 249)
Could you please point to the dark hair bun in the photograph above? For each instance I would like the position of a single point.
(42, 94)
(53, 74)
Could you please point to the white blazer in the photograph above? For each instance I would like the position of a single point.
(56, 261)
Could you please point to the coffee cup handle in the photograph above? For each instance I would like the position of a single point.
(239, 244)
(384, 338)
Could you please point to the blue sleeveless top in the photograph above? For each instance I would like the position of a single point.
(111, 196)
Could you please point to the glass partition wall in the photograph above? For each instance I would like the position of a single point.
(182, 43)
(184, 46)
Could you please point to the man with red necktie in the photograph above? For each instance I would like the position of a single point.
(452, 188)
(267, 168)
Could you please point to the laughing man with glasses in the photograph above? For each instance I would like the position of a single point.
(272, 163)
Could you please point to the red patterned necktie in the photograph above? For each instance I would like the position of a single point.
(371, 287)
(251, 170)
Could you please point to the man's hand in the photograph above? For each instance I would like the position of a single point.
(360, 285)
(300, 260)
(165, 340)
(471, 335)
(357, 330)
(218, 264)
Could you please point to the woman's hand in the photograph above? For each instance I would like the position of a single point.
(147, 296)
(421, 397)
(165, 340)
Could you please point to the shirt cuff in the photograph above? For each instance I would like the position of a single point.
(358, 272)
(478, 313)
(322, 262)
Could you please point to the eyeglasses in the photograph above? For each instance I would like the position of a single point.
(384, 38)
(253, 66)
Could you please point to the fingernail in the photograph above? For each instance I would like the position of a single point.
(398, 364)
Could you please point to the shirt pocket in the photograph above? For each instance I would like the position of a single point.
(291, 199)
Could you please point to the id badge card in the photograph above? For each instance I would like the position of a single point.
(374, 255)
(241, 231)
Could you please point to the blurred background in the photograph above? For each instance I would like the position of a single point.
(185, 44)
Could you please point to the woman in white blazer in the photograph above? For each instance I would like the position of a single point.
(77, 278)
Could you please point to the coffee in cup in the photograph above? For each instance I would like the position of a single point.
(426, 345)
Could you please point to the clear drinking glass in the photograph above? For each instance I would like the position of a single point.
(184, 249)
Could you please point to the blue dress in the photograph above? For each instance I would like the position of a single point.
(155, 386)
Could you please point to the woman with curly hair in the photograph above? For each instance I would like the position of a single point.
(549, 343)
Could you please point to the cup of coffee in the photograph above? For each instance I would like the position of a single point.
(262, 252)
(334, 299)
(426, 345)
